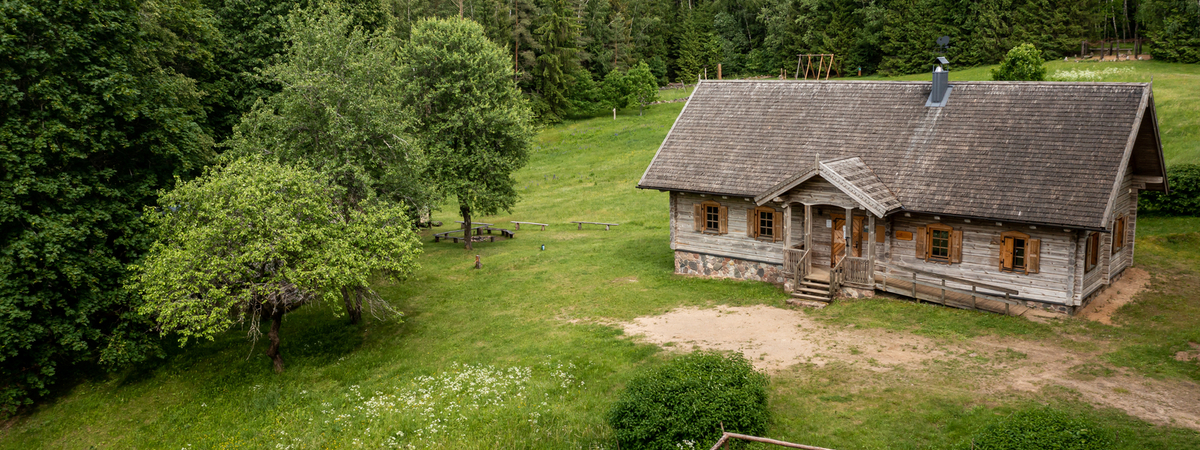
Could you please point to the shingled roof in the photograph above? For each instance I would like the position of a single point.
(1044, 153)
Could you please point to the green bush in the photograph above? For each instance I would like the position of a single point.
(688, 399)
(1022, 63)
(1043, 429)
(1184, 199)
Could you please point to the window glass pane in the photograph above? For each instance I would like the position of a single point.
(1018, 253)
(940, 244)
(713, 217)
(766, 223)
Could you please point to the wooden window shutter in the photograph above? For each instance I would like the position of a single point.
(752, 222)
(723, 216)
(1006, 253)
(777, 220)
(1033, 255)
(698, 217)
(955, 246)
(879, 231)
(920, 243)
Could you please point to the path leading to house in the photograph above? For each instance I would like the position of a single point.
(776, 338)
(1114, 297)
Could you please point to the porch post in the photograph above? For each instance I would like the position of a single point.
(807, 227)
(787, 227)
(871, 248)
(846, 230)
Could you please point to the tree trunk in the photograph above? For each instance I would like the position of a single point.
(466, 215)
(353, 310)
(273, 335)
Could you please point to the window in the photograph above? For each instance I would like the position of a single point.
(711, 217)
(764, 223)
(939, 243)
(1118, 234)
(1092, 254)
(1019, 253)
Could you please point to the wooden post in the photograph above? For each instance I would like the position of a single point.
(915, 286)
(808, 228)
(871, 247)
(846, 231)
(1006, 304)
(787, 227)
(943, 291)
(718, 71)
(973, 297)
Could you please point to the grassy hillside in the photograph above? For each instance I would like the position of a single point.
(523, 353)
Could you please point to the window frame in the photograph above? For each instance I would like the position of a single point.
(757, 225)
(929, 230)
(1091, 256)
(704, 210)
(1010, 249)
(1119, 230)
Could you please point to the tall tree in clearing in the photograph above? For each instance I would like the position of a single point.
(467, 114)
(256, 240)
(339, 112)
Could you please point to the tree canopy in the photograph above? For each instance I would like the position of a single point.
(1023, 63)
(467, 114)
(256, 239)
(97, 116)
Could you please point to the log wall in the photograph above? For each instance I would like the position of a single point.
(735, 243)
(981, 256)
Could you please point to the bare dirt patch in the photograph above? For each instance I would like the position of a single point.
(1189, 355)
(1114, 297)
(775, 338)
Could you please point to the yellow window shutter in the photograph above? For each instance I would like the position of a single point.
(752, 222)
(955, 246)
(920, 240)
(1033, 257)
(778, 222)
(698, 216)
(1006, 253)
(723, 218)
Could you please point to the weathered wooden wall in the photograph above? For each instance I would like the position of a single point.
(735, 243)
(981, 256)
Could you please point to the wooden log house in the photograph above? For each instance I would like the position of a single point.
(1024, 193)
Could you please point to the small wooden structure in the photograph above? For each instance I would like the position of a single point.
(606, 225)
(517, 225)
(824, 63)
(1000, 196)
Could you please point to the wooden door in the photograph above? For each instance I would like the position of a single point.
(838, 244)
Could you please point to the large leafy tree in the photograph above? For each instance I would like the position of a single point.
(1023, 63)
(255, 240)
(471, 121)
(95, 119)
(339, 112)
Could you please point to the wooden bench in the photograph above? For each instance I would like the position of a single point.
(482, 224)
(606, 225)
(437, 237)
(518, 227)
(503, 232)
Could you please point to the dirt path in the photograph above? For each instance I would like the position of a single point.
(775, 338)
(1114, 297)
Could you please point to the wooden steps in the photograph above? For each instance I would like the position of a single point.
(812, 293)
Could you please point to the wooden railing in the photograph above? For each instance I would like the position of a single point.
(797, 263)
(858, 271)
(909, 278)
(836, 277)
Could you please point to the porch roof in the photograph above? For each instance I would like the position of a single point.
(851, 175)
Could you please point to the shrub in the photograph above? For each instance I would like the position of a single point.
(1022, 63)
(1045, 429)
(688, 399)
(1184, 199)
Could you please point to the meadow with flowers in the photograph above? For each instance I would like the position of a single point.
(528, 352)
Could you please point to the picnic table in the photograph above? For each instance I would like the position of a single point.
(606, 225)
(518, 227)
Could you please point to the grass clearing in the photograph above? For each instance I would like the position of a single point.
(530, 330)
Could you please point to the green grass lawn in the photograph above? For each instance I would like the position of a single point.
(523, 353)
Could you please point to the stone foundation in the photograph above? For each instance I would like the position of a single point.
(1054, 308)
(699, 264)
